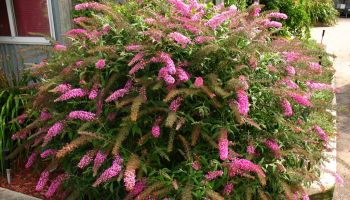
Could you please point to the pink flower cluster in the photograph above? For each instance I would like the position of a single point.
(59, 47)
(203, 39)
(213, 175)
(100, 64)
(228, 189)
(76, 32)
(175, 105)
(85, 161)
(251, 150)
(109, 173)
(31, 160)
(321, 133)
(48, 152)
(62, 88)
(196, 165)
(291, 84)
(98, 161)
(90, 5)
(139, 187)
(119, 93)
(71, 94)
(271, 24)
(44, 177)
(198, 82)
(156, 128)
(53, 131)
(301, 99)
(82, 115)
(181, 7)
(182, 74)
(223, 145)
(133, 47)
(21, 119)
(291, 56)
(277, 15)
(129, 179)
(290, 70)
(80, 20)
(45, 115)
(315, 67)
(94, 92)
(241, 166)
(274, 147)
(242, 102)
(218, 19)
(180, 39)
(288, 110)
(55, 184)
(318, 86)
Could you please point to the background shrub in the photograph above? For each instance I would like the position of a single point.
(158, 99)
(322, 12)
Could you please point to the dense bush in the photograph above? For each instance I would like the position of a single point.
(322, 12)
(156, 99)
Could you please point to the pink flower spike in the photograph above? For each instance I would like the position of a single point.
(44, 177)
(223, 145)
(181, 7)
(55, 184)
(241, 166)
(156, 128)
(175, 105)
(251, 150)
(274, 147)
(62, 88)
(45, 115)
(203, 39)
(85, 161)
(98, 161)
(228, 189)
(301, 99)
(89, 5)
(129, 179)
(59, 47)
(321, 133)
(116, 95)
(315, 67)
(47, 153)
(288, 110)
(196, 165)
(218, 19)
(71, 94)
(277, 15)
(180, 39)
(82, 115)
(133, 47)
(318, 86)
(53, 131)
(213, 175)
(109, 173)
(198, 82)
(242, 102)
(100, 64)
(291, 56)
(31, 160)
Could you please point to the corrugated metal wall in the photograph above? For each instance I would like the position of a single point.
(15, 57)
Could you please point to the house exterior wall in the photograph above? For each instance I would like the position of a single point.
(16, 57)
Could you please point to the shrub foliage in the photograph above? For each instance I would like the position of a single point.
(155, 99)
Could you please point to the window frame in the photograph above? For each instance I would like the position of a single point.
(13, 39)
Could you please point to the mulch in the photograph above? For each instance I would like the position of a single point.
(23, 181)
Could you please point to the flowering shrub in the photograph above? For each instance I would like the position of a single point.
(180, 100)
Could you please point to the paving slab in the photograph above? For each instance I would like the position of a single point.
(6, 194)
(337, 42)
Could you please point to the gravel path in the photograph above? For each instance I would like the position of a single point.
(337, 41)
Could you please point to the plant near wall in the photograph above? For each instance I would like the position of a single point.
(179, 100)
(13, 102)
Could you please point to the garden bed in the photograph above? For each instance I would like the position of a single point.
(23, 181)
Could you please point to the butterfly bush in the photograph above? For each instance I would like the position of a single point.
(197, 102)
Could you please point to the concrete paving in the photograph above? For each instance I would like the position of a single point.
(6, 194)
(337, 41)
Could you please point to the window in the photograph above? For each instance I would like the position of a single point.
(26, 21)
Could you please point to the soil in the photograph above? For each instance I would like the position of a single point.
(23, 181)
